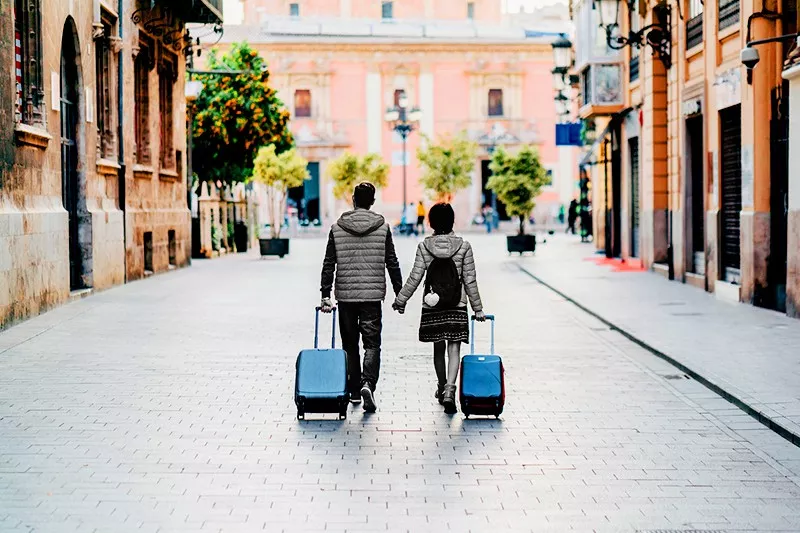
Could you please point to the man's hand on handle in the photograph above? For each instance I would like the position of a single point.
(326, 305)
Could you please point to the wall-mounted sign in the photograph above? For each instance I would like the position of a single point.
(55, 91)
(89, 104)
(568, 134)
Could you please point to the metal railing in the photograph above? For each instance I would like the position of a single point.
(694, 31)
(728, 13)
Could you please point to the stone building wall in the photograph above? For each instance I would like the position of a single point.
(34, 222)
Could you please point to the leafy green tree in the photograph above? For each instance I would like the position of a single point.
(279, 172)
(447, 165)
(350, 169)
(517, 180)
(235, 115)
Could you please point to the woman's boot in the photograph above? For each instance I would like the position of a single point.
(449, 399)
(439, 394)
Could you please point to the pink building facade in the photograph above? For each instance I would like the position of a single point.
(339, 64)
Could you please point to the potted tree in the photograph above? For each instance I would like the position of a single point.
(447, 165)
(350, 169)
(517, 180)
(279, 173)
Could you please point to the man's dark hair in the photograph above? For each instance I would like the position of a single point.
(442, 217)
(364, 195)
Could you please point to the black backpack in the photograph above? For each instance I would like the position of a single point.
(443, 279)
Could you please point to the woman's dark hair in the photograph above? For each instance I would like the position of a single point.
(442, 217)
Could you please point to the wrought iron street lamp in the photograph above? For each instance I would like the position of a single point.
(403, 120)
(656, 35)
(562, 80)
(562, 54)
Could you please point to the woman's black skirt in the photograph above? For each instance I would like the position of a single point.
(444, 325)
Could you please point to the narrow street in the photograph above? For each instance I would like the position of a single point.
(166, 405)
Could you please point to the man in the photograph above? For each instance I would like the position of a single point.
(360, 248)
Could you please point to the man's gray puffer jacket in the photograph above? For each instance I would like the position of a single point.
(444, 246)
(360, 250)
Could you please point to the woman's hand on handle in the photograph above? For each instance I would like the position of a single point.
(480, 316)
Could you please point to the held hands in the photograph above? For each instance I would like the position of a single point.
(399, 308)
(326, 305)
(480, 316)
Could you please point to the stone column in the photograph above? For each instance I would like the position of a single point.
(204, 208)
(755, 215)
(793, 245)
(654, 173)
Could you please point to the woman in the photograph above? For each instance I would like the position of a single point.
(444, 321)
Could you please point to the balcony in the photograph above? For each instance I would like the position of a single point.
(728, 13)
(199, 11)
(694, 31)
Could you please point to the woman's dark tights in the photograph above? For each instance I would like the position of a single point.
(446, 372)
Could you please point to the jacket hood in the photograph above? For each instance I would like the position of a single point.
(360, 222)
(443, 246)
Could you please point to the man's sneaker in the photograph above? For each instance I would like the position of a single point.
(369, 399)
(355, 397)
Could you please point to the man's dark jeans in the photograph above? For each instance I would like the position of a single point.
(364, 319)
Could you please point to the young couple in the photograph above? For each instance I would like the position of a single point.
(359, 250)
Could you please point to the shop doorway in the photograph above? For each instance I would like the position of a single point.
(633, 150)
(73, 182)
(695, 204)
(730, 191)
(775, 297)
(486, 194)
(305, 198)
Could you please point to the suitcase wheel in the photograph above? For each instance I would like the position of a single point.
(301, 415)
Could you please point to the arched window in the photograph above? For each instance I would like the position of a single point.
(143, 64)
(105, 56)
(28, 62)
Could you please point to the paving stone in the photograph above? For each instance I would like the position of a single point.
(166, 404)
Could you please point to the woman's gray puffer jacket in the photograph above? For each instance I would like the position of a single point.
(444, 246)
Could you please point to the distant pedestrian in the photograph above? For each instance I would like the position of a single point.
(360, 249)
(411, 217)
(572, 216)
(448, 266)
(420, 218)
(561, 214)
(488, 218)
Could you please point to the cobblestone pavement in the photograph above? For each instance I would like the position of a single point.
(166, 405)
(750, 353)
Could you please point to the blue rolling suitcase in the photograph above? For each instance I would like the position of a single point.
(483, 389)
(321, 380)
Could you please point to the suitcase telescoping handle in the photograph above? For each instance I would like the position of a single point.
(316, 329)
(490, 318)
